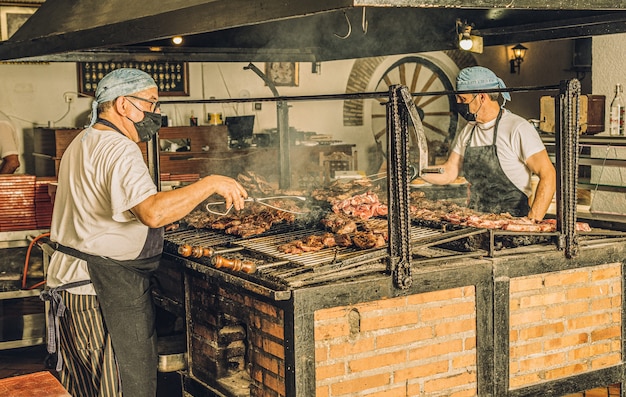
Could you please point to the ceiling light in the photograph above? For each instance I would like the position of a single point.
(178, 40)
(467, 41)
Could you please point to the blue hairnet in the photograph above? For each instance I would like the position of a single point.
(120, 82)
(478, 78)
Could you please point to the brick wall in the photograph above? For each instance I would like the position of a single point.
(423, 344)
(233, 330)
(564, 323)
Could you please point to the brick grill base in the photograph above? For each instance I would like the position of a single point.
(422, 344)
(520, 325)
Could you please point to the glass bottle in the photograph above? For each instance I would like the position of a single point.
(616, 117)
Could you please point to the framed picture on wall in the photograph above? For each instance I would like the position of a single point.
(282, 73)
(171, 77)
(12, 18)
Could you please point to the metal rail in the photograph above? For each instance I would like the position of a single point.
(354, 95)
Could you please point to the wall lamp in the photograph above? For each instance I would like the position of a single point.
(519, 52)
(178, 40)
(467, 41)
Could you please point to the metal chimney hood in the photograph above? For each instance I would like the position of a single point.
(292, 30)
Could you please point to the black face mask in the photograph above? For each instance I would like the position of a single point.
(148, 127)
(463, 110)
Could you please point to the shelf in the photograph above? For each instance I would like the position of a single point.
(590, 140)
(22, 238)
(601, 188)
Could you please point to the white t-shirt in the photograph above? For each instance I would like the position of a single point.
(102, 175)
(8, 145)
(517, 140)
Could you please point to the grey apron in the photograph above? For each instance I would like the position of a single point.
(124, 294)
(491, 191)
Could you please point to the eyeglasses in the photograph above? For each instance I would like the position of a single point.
(461, 99)
(156, 105)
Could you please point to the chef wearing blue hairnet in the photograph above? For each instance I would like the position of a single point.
(107, 224)
(497, 151)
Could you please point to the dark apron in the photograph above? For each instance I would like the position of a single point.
(491, 191)
(124, 294)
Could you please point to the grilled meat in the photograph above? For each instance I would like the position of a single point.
(365, 240)
(343, 240)
(339, 223)
(255, 184)
(254, 219)
(364, 206)
(342, 189)
(446, 211)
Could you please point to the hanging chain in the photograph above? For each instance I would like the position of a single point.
(567, 162)
(398, 188)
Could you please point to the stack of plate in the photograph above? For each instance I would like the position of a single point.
(43, 201)
(17, 203)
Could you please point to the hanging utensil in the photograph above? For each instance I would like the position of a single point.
(261, 201)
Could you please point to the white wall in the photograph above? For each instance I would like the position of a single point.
(230, 80)
(608, 70)
(32, 94)
(546, 63)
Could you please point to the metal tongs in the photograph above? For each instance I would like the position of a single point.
(257, 200)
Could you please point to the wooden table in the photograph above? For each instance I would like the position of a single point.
(32, 385)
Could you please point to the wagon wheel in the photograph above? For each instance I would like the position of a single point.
(437, 112)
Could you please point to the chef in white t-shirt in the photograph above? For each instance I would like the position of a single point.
(107, 230)
(9, 155)
(497, 151)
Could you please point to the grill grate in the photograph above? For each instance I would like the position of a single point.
(295, 270)
(269, 246)
(201, 237)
